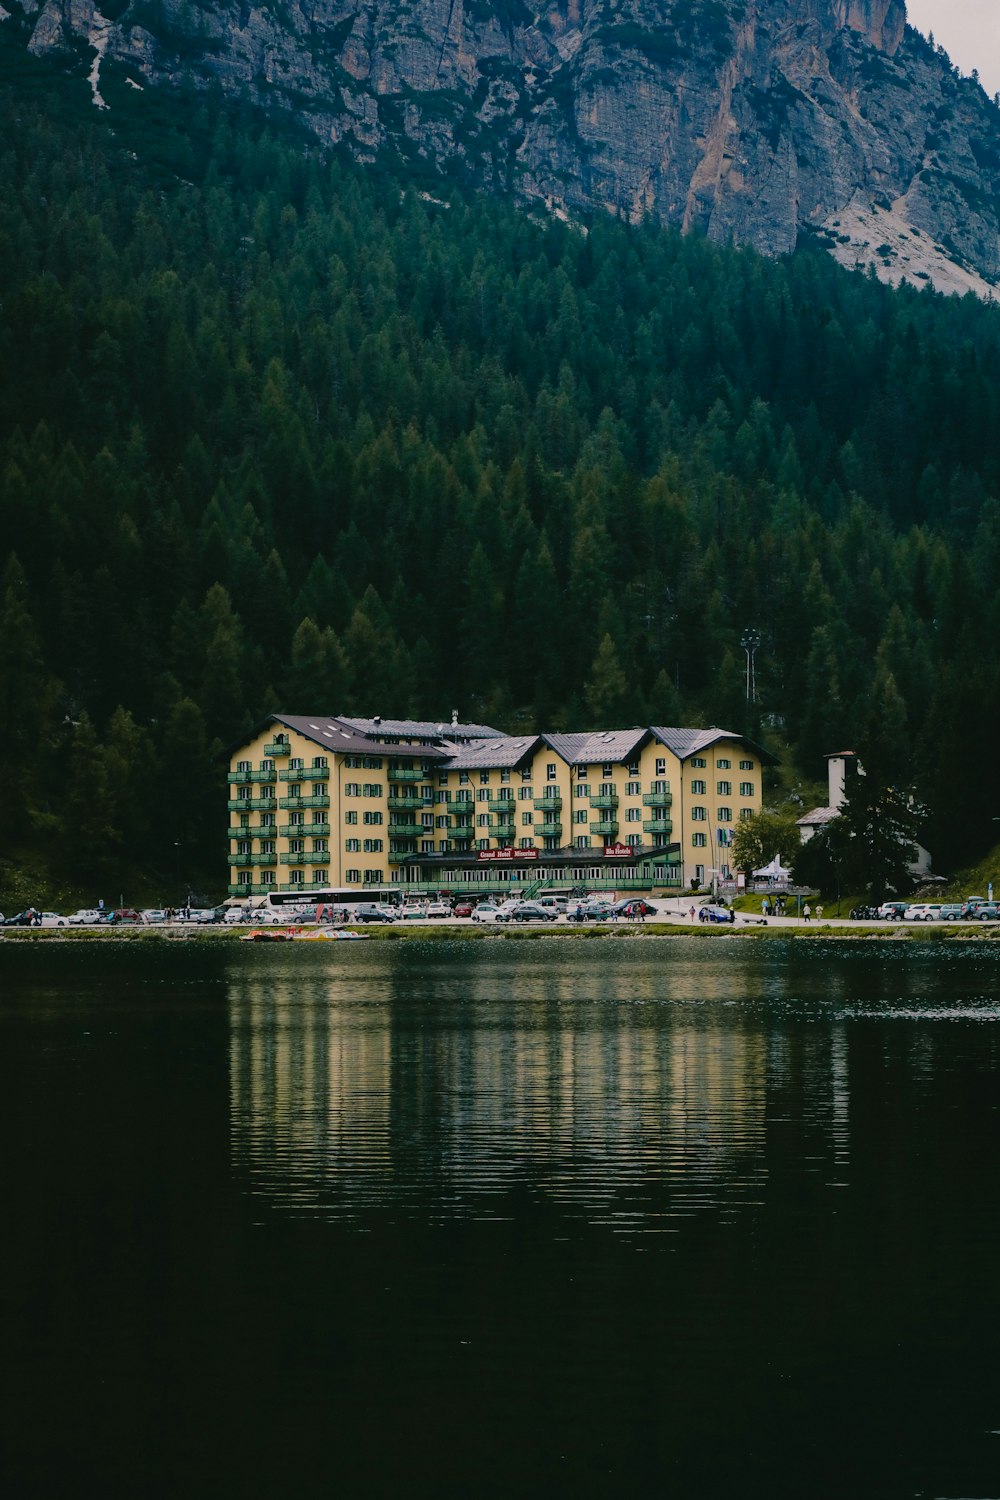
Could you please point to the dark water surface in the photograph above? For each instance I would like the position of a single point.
(680, 1218)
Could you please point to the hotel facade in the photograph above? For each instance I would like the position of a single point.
(341, 804)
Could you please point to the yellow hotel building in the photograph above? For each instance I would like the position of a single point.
(338, 804)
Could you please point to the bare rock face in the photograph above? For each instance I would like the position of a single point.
(755, 121)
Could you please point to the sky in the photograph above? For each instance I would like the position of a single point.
(969, 31)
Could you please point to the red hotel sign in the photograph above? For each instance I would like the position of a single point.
(618, 851)
(505, 856)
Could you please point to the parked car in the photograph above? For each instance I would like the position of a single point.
(552, 902)
(892, 911)
(438, 909)
(923, 911)
(154, 914)
(987, 912)
(369, 912)
(87, 916)
(590, 911)
(126, 916)
(52, 919)
(715, 913)
(487, 912)
(531, 911)
(952, 911)
(27, 918)
(462, 909)
(634, 906)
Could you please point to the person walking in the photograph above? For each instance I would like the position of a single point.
(807, 913)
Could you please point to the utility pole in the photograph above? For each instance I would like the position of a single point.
(750, 641)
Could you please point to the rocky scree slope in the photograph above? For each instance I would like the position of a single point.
(754, 121)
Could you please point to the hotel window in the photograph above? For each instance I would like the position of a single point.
(373, 818)
(444, 846)
(699, 762)
(527, 819)
(551, 770)
(527, 844)
(245, 846)
(583, 790)
(483, 820)
(607, 769)
(245, 820)
(319, 789)
(320, 762)
(442, 778)
(746, 788)
(661, 767)
(483, 795)
(373, 877)
(697, 789)
(580, 815)
(634, 840)
(745, 812)
(463, 778)
(427, 820)
(373, 789)
(352, 846)
(296, 846)
(244, 765)
(504, 778)
(244, 793)
(484, 778)
(483, 843)
(633, 814)
(723, 788)
(525, 794)
(296, 763)
(267, 846)
(267, 820)
(723, 765)
(698, 841)
(582, 841)
(698, 815)
(296, 877)
(319, 817)
(441, 822)
(371, 762)
(267, 877)
(746, 765)
(373, 846)
(321, 877)
(661, 786)
(443, 798)
(320, 846)
(296, 819)
(633, 788)
(352, 789)
(725, 814)
(351, 816)
(353, 877)
(633, 768)
(581, 773)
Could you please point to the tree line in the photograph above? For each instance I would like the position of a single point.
(282, 432)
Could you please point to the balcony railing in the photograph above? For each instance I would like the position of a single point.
(548, 804)
(658, 799)
(401, 856)
(657, 825)
(256, 888)
(275, 749)
(307, 857)
(305, 773)
(605, 826)
(461, 805)
(503, 828)
(412, 803)
(244, 777)
(302, 831)
(241, 859)
(406, 773)
(501, 805)
(549, 830)
(401, 830)
(253, 804)
(293, 804)
(608, 801)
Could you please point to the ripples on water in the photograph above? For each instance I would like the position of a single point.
(631, 1086)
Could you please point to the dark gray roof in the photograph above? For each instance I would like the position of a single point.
(500, 753)
(342, 735)
(687, 742)
(424, 729)
(597, 746)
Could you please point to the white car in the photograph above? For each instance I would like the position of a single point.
(438, 909)
(87, 916)
(486, 912)
(53, 919)
(926, 911)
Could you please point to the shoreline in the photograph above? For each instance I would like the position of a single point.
(951, 932)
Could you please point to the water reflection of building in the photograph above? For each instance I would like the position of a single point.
(350, 1095)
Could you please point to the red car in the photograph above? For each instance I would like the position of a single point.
(462, 909)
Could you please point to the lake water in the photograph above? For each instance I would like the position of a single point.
(670, 1217)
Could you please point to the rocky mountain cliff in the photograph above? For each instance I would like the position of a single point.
(755, 121)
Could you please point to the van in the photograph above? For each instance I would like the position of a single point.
(551, 902)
